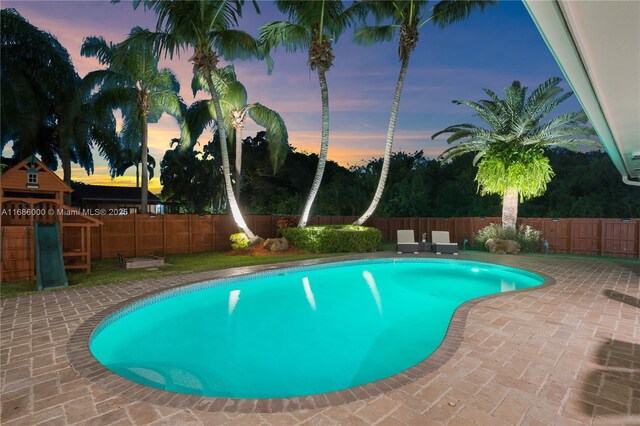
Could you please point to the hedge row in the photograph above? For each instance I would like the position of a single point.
(334, 238)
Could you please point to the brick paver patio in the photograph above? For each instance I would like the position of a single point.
(564, 354)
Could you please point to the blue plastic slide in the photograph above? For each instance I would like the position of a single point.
(49, 261)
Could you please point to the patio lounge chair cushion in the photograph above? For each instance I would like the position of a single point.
(442, 244)
(406, 241)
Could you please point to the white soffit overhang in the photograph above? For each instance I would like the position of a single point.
(597, 46)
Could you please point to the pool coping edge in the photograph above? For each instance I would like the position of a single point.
(83, 361)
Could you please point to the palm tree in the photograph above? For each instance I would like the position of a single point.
(312, 25)
(83, 124)
(206, 27)
(45, 107)
(235, 109)
(136, 87)
(128, 157)
(36, 72)
(407, 17)
(510, 151)
(193, 179)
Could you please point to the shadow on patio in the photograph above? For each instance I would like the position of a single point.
(623, 298)
(614, 388)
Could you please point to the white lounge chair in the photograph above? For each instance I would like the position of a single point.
(441, 243)
(406, 242)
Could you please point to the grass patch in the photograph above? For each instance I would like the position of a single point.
(387, 246)
(108, 271)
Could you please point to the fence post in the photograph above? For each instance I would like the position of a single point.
(164, 234)
(135, 235)
(213, 233)
(190, 235)
(472, 227)
(570, 232)
(638, 228)
(601, 237)
(88, 243)
(102, 238)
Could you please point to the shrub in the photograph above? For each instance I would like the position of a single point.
(334, 238)
(239, 241)
(528, 238)
(494, 231)
(286, 222)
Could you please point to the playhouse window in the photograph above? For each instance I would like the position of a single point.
(32, 180)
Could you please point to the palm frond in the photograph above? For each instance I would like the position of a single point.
(292, 36)
(276, 132)
(478, 157)
(198, 117)
(338, 19)
(165, 102)
(101, 80)
(514, 97)
(198, 83)
(235, 44)
(568, 119)
(487, 111)
(163, 80)
(447, 12)
(542, 95)
(465, 130)
(494, 97)
(548, 107)
(131, 133)
(572, 144)
(97, 47)
(235, 95)
(372, 35)
(471, 145)
(125, 98)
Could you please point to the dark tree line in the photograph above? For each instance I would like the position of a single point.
(585, 185)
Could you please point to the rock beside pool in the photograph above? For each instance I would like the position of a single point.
(276, 244)
(500, 246)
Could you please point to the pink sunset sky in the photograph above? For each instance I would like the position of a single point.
(489, 50)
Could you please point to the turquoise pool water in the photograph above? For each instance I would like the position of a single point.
(296, 332)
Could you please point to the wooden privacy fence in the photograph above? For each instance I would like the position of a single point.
(144, 235)
(604, 237)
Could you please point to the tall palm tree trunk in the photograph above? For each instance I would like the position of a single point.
(144, 192)
(510, 208)
(226, 167)
(238, 162)
(389, 147)
(324, 147)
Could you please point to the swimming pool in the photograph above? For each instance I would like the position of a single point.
(294, 332)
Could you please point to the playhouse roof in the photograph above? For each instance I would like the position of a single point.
(15, 179)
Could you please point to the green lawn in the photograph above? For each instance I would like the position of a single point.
(108, 272)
